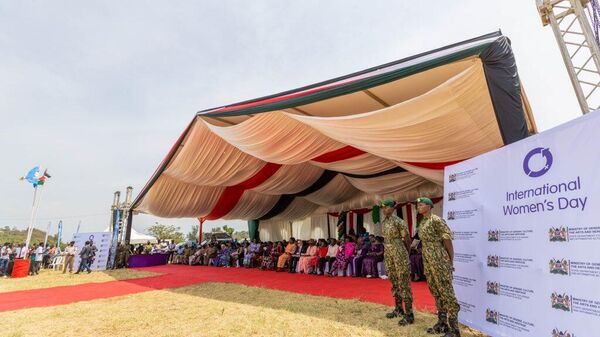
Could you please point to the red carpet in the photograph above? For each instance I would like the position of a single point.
(173, 276)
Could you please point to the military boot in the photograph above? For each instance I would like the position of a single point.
(397, 312)
(409, 316)
(453, 330)
(441, 326)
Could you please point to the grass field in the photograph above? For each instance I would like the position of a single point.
(213, 310)
(50, 278)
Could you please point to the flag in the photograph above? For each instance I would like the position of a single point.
(35, 177)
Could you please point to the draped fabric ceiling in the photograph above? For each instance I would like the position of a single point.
(342, 144)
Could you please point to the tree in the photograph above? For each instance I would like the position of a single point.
(17, 236)
(216, 230)
(193, 233)
(228, 230)
(166, 232)
(241, 235)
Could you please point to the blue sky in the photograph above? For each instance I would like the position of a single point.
(98, 91)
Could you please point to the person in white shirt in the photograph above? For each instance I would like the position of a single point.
(5, 252)
(23, 252)
(18, 252)
(331, 250)
(39, 257)
(69, 254)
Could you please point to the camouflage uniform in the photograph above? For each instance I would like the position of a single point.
(397, 263)
(438, 269)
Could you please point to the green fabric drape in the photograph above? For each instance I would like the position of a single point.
(253, 229)
(375, 214)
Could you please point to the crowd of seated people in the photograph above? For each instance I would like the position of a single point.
(353, 256)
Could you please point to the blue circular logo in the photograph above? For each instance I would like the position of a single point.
(546, 154)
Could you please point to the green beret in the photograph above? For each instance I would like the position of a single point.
(388, 202)
(425, 200)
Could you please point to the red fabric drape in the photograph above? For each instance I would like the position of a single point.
(434, 166)
(342, 153)
(232, 194)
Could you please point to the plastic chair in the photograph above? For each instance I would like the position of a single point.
(57, 261)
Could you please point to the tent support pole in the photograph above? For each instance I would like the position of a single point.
(201, 220)
(328, 227)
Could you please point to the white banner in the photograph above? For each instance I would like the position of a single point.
(101, 240)
(526, 223)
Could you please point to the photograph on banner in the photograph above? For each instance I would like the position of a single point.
(102, 242)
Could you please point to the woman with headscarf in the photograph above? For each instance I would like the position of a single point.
(374, 256)
(359, 254)
(306, 266)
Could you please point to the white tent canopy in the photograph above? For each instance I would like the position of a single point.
(137, 237)
(343, 144)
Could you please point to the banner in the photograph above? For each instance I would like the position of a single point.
(526, 223)
(116, 221)
(59, 236)
(101, 240)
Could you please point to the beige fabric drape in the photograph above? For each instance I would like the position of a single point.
(387, 184)
(433, 127)
(207, 159)
(274, 230)
(336, 191)
(300, 208)
(363, 164)
(170, 198)
(290, 179)
(452, 121)
(276, 138)
(252, 205)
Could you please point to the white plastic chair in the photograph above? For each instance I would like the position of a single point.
(57, 261)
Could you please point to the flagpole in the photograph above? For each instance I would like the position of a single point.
(47, 231)
(36, 203)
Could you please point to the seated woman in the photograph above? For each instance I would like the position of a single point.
(341, 261)
(359, 254)
(349, 247)
(374, 256)
(253, 249)
(179, 255)
(198, 256)
(224, 257)
(235, 254)
(321, 257)
(241, 252)
(211, 253)
(284, 258)
(268, 262)
(416, 260)
(263, 253)
(306, 261)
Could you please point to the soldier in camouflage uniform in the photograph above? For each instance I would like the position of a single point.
(397, 264)
(438, 256)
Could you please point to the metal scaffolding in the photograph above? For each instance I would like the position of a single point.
(578, 46)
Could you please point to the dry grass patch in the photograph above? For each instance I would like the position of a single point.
(51, 278)
(214, 310)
